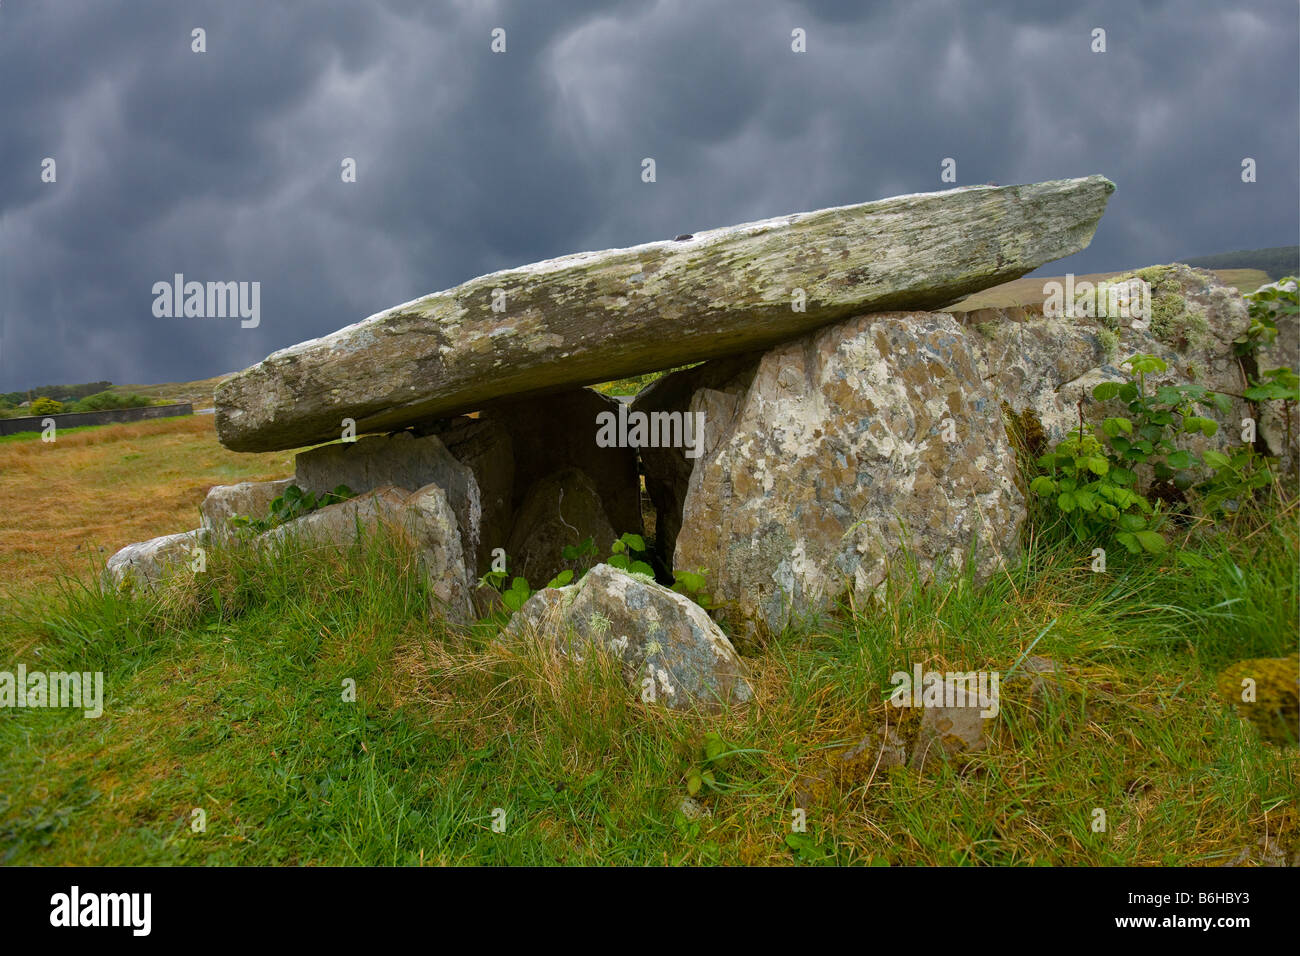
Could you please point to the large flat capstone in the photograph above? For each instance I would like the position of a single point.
(596, 316)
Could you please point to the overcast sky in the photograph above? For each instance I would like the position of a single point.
(226, 165)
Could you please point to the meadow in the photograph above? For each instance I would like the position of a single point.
(228, 705)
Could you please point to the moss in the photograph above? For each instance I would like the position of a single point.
(1109, 343)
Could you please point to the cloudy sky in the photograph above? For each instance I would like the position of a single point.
(226, 165)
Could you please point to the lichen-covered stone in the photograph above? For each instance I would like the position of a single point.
(250, 499)
(401, 461)
(1046, 365)
(143, 565)
(852, 443)
(595, 316)
(485, 448)
(667, 644)
(424, 518)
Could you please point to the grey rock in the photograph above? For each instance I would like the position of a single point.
(552, 432)
(400, 461)
(663, 640)
(595, 316)
(561, 509)
(839, 458)
(248, 498)
(143, 566)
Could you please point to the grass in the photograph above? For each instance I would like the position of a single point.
(1029, 291)
(226, 694)
(98, 488)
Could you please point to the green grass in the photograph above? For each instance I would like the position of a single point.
(224, 692)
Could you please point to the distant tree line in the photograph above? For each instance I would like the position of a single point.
(1278, 261)
(60, 393)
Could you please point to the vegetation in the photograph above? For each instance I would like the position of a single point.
(294, 503)
(1277, 261)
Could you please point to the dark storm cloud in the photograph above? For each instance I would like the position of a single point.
(225, 165)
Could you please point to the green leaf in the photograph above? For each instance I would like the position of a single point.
(693, 782)
(1129, 541)
(1065, 501)
(640, 567)
(561, 579)
(1132, 522)
(1043, 485)
(634, 542)
(1152, 541)
(1181, 459)
(1106, 391)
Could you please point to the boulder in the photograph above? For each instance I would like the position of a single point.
(338, 525)
(248, 498)
(1044, 365)
(143, 565)
(667, 644)
(402, 461)
(851, 444)
(596, 316)
(561, 509)
(485, 448)
(559, 431)
(424, 518)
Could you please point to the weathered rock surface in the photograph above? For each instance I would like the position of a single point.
(1045, 365)
(559, 431)
(952, 731)
(486, 449)
(851, 443)
(143, 565)
(561, 509)
(659, 636)
(594, 316)
(424, 517)
(249, 498)
(339, 525)
(401, 461)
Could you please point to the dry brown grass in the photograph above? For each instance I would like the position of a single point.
(67, 505)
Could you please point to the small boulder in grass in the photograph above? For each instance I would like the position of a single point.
(671, 651)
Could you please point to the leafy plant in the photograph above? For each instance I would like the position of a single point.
(621, 555)
(1264, 306)
(1236, 478)
(1096, 496)
(294, 503)
(692, 584)
(716, 754)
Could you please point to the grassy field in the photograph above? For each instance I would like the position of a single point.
(82, 497)
(1030, 291)
(225, 695)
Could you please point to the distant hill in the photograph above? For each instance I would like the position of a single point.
(199, 393)
(1278, 261)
